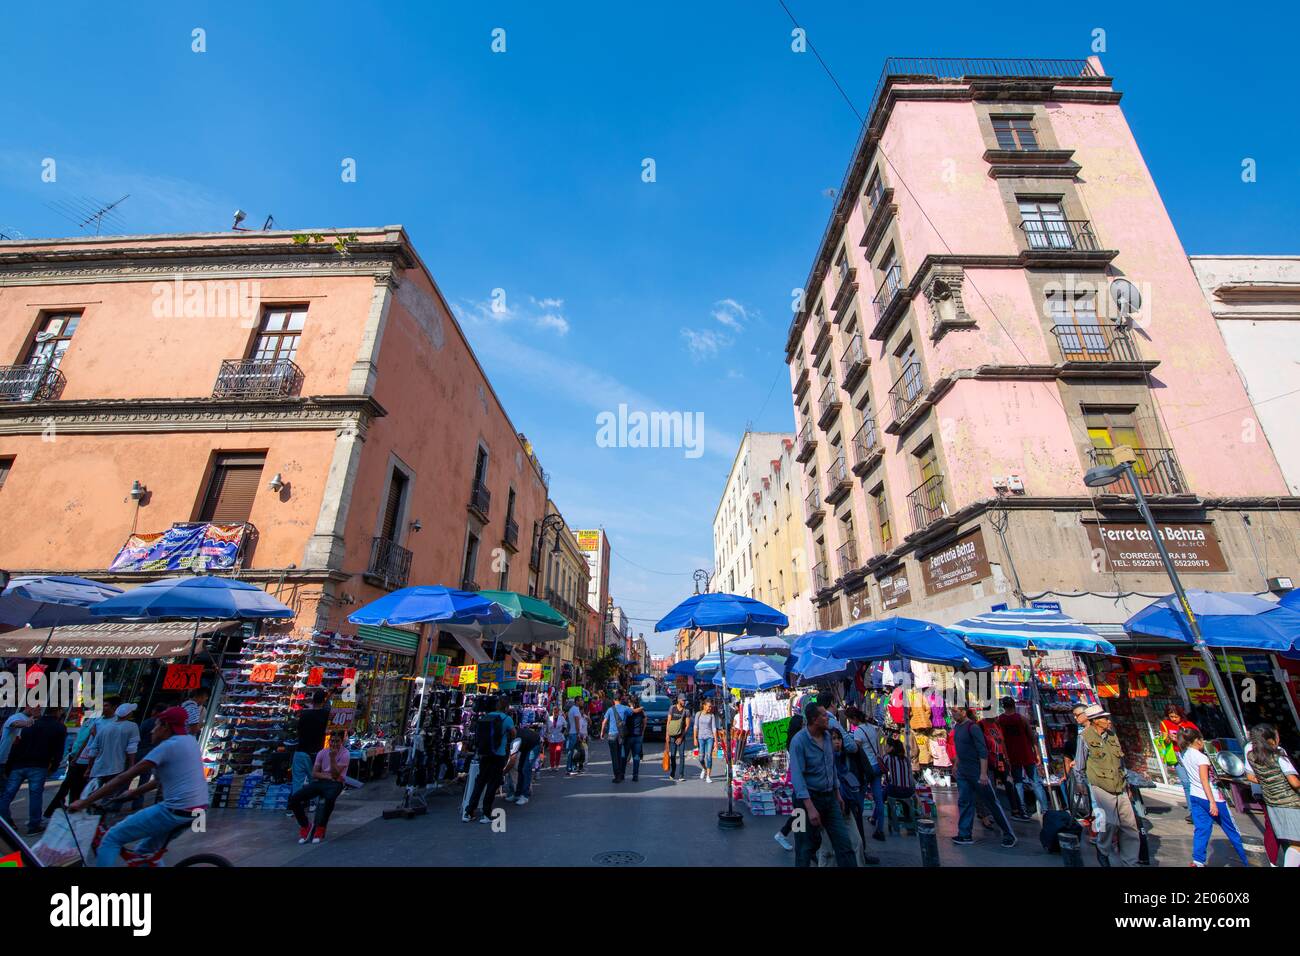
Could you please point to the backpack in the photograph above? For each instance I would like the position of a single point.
(488, 731)
(864, 770)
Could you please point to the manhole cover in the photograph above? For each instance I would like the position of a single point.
(618, 858)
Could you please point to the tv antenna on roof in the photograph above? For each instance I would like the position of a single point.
(83, 211)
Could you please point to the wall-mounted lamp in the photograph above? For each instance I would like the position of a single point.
(137, 491)
(416, 526)
(276, 483)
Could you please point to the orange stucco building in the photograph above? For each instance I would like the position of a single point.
(319, 393)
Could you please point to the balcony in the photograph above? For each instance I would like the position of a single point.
(828, 406)
(280, 378)
(511, 538)
(926, 503)
(480, 500)
(822, 332)
(812, 508)
(906, 395)
(801, 379)
(390, 564)
(821, 577)
(853, 364)
(1098, 350)
(847, 556)
(844, 294)
(889, 299)
(807, 443)
(838, 482)
(1061, 243)
(1156, 469)
(535, 556)
(30, 383)
(868, 449)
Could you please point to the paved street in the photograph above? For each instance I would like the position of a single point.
(571, 820)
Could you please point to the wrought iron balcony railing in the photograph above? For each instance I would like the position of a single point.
(1095, 343)
(838, 483)
(821, 576)
(389, 562)
(828, 405)
(853, 362)
(847, 554)
(926, 503)
(1157, 471)
(512, 534)
(890, 288)
(812, 506)
(237, 378)
(480, 499)
(1063, 234)
(866, 443)
(36, 382)
(907, 391)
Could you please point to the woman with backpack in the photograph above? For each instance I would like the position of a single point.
(1268, 765)
(866, 737)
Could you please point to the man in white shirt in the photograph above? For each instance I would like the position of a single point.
(114, 745)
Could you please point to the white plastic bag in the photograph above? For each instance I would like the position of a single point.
(67, 839)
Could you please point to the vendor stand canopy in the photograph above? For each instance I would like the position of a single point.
(193, 599)
(897, 637)
(1291, 600)
(748, 673)
(761, 645)
(425, 603)
(1226, 619)
(707, 664)
(725, 614)
(1039, 629)
(810, 668)
(682, 669)
(51, 600)
(533, 620)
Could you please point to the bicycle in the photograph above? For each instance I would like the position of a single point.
(106, 810)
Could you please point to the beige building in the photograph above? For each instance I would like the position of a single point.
(566, 577)
(778, 539)
(733, 558)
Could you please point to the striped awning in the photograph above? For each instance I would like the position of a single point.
(381, 637)
(1040, 628)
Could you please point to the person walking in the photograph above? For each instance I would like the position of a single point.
(1101, 760)
(327, 772)
(529, 743)
(35, 754)
(572, 729)
(615, 715)
(817, 790)
(634, 739)
(675, 731)
(1208, 805)
(177, 767)
(15, 723)
(584, 733)
(493, 730)
(1019, 738)
(1269, 766)
(973, 786)
(114, 745)
(556, 735)
(848, 766)
(312, 724)
(1173, 723)
(864, 737)
(782, 836)
(706, 729)
(79, 756)
(196, 706)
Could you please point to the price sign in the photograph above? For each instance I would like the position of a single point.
(435, 665)
(349, 673)
(315, 676)
(451, 677)
(262, 673)
(182, 677)
(341, 714)
(774, 732)
(469, 674)
(548, 673)
(529, 672)
(491, 673)
(573, 692)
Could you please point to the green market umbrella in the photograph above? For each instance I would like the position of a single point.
(533, 621)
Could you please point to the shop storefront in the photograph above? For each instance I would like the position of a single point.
(385, 673)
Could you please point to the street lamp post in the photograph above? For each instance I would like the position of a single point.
(1106, 475)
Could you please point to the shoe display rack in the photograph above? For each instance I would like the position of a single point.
(264, 687)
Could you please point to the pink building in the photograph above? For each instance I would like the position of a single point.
(960, 361)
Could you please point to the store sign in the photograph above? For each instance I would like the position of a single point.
(262, 674)
(529, 672)
(588, 540)
(469, 674)
(895, 590)
(182, 677)
(1042, 606)
(451, 677)
(774, 734)
(1193, 548)
(961, 562)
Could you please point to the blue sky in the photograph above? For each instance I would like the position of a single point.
(522, 171)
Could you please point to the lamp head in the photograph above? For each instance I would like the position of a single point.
(1103, 475)
(276, 483)
(137, 490)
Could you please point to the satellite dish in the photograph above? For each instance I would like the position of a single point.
(1127, 299)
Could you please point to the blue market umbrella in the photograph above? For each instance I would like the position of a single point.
(52, 601)
(899, 637)
(1291, 600)
(707, 664)
(427, 603)
(761, 645)
(726, 614)
(1226, 619)
(198, 598)
(750, 673)
(812, 669)
(682, 669)
(1040, 628)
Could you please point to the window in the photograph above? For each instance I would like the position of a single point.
(1015, 132)
(471, 560)
(891, 275)
(927, 463)
(480, 467)
(842, 267)
(232, 488)
(278, 338)
(5, 465)
(53, 339)
(884, 529)
(510, 507)
(1108, 427)
(1075, 320)
(1044, 224)
(503, 582)
(875, 192)
(390, 529)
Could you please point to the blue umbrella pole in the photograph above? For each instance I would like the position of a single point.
(193, 643)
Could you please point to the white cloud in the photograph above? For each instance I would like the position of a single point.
(703, 343)
(544, 313)
(706, 342)
(731, 313)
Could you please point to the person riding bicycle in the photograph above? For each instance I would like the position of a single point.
(177, 767)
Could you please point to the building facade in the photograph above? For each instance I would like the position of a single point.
(1256, 304)
(778, 540)
(565, 585)
(322, 408)
(969, 343)
(733, 556)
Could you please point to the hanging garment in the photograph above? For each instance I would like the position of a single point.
(923, 750)
(896, 706)
(938, 710)
(920, 710)
(939, 750)
(921, 677)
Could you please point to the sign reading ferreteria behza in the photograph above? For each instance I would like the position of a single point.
(1192, 547)
(961, 561)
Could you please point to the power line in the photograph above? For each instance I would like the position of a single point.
(614, 550)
